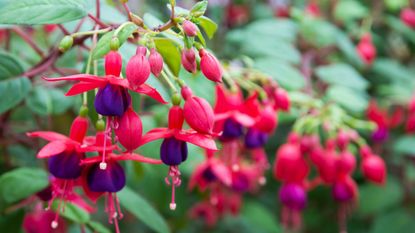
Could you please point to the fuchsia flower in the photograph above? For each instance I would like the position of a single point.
(366, 49)
(313, 9)
(138, 68)
(189, 60)
(112, 98)
(293, 196)
(210, 66)
(209, 172)
(39, 221)
(373, 166)
(156, 62)
(408, 17)
(189, 28)
(173, 150)
(129, 130)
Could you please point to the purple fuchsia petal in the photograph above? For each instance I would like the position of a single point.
(240, 182)
(231, 130)
(293, 196)
(173, 151)
(112, 179)
(65, 165)
(341, 192)
(255, 138)
(111, 101)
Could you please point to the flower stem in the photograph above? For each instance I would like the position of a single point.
(168, 81)
(95, 32)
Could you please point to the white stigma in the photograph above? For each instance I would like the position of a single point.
(172, 206)
(54, 224)
(235, 167)
(115, 215)
(103, 165)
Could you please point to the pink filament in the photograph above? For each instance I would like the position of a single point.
(106, 134)
(174, 175)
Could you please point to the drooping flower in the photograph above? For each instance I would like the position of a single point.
(366, 49)
(138, 69)
(293, 196)
(173, 150)
(129, 130)
(112, 98)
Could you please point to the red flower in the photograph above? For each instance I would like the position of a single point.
(366, 49)
(210, 171)
(408, 17)
(210, 66)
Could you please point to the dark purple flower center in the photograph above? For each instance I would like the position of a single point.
(45, 194)
(255, 138)
(208, 175)
(240, 182)
(112, 179)
(173, 151)
(341, 192)
(65, 165)
(112, 100)
(231, 130)
(380, 135)
(293, 196)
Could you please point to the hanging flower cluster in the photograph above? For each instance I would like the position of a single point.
(243, 126)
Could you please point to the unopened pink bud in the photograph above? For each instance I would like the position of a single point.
(199, 114)
(138, 70)
(141, 50)
(189, 60)
(210, 66)
(156, 62)
(189, 28)
(129, 130)
(113, 63)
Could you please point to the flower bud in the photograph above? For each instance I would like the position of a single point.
(366, 49)
(189, 60)
(156, 62)
(176, 118)
(141, 50)
(289, 165)
(199, 114)
(327, 166)
(346, 163)
(186, 92)
(267, 121)
(344, 190)
(408, 17)
(282, 101)
(374, 169)
(66, 43)
(79, 128)
(189, 28)
(113, 63)
(210, 66)
(129, 130)
(138, 70)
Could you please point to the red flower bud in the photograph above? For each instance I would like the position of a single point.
(189, 28)
(186, 92)
(141, 50)
(267, 121)
(346, 163)
(199, 114)
(156, 62)
(113, 63)
(408, 17)
(374, 169)
(210, 66)
(176, 117)
(189, 60)
(366, 49)
(327, 166)
(129, 130)
(138, 70)
(289, 165)
(282, 101)
(79, 129)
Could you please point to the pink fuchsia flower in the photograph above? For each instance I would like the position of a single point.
(293, 196)
(290, 166)
(112, 98)
(313, 9)
(189, 60)
(39, 221)
(138, 69)
(206, 211)
(374, 169)
(345, 190)
(156, 62)
(210, 66)
(211, 171)
(366, 49)
(129, 130)
(408, 17)
(173, 150)
(189, 28)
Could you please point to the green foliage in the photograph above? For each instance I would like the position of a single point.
(41, 11)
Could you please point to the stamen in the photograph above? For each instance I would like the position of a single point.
(54, 224)
(107, 133)
(174, 175)
(262, 180)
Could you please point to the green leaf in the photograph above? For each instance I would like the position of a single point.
(346, 45)
(73, 212)
(97, 227)
(199, 8)
(21, 183)
(377, 199)
(405, 145)
(318, 32)
(208, 26)
(286, 75)
(392, 70)
(151, 21)
(9, 66)
(397, 221)
(12, 92)
(45, 101)
(348, 10)
(170, 53)
(273, 28)
(103, 45)
(260, 217)
(141, 209)
(343, 75)
(401, 28)
(351, 99)
(41, 11)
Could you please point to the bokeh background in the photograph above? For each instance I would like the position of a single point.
(262, 34)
